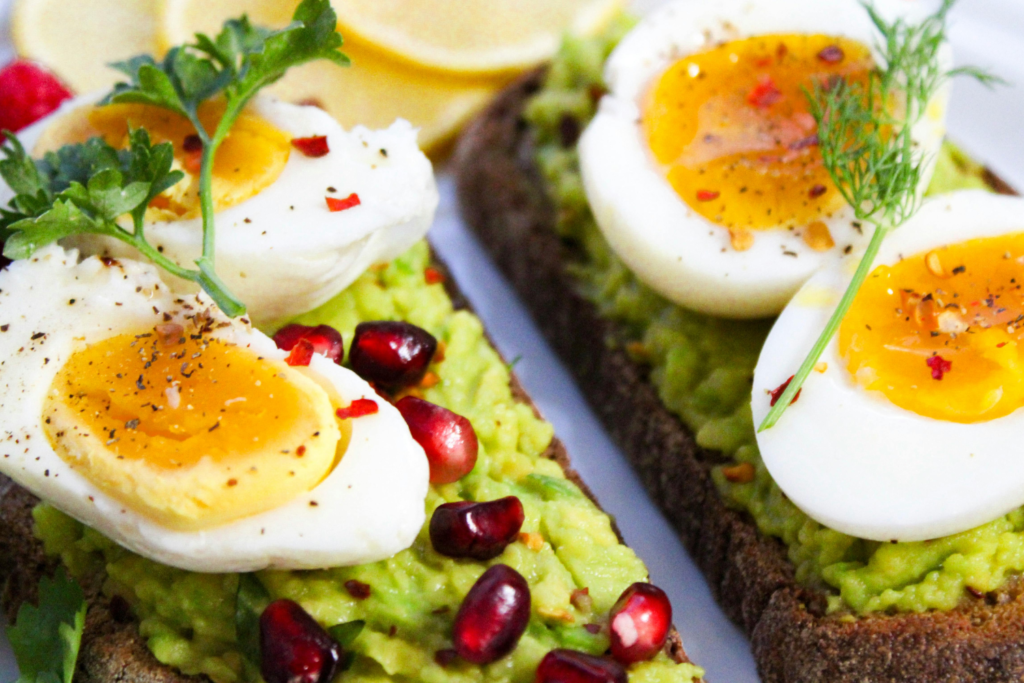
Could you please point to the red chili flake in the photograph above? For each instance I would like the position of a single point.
(301, 353)
(833, 54)
(764, 94)
(939, 366)
(433, 276)
(1000, 345)
(777, 392)
(360, 407)
(707, 195)
(315, 146)
(817, 191)
(341, 204)
(357, 589)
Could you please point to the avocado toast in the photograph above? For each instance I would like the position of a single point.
(669, 386)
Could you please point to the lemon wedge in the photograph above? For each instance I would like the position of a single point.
(374, 91)
(78, 40)
(471, 36)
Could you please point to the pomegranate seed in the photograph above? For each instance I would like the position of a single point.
(28, 93)
(324, 339)
(315, 146)
(476, 530)
(639, 623)
(334, 204)
(301, 354)
(493, 617)
(448, 439)
(294, 648)
(392, 354)
(569, 666)
(192, 143)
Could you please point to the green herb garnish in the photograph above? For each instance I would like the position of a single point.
(86, 188)
(865, 139)
(46, 638)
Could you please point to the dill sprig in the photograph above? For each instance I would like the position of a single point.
(864, 132)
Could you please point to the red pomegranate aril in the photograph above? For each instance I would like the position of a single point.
(493, 616)
(28, 93)
(570, 666)
(639, 623)
(392, 354)
(294, 648)
(447, 438)
(325, 339)
(480, 531)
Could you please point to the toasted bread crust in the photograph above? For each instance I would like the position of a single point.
(794, 641)
(112, 650)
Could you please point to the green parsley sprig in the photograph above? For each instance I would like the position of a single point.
(87, 188)
(46, 638)
(865, 139)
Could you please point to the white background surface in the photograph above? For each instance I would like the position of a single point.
(988, 124)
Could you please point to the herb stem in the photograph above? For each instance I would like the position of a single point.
(825, 338)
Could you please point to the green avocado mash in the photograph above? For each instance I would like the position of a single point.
(188, 619)
(703, 367)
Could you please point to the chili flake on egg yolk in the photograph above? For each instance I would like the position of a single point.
(733, 131)
(940, 333)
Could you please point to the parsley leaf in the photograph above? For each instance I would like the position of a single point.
(92, 187)
(46, 638)
(236, 64)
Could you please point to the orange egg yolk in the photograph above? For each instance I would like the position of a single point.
(191, 430)
(732, 130)
(940, 333)
(249, 160)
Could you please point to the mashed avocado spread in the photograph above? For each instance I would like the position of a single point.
(703, 367)
(188, 619)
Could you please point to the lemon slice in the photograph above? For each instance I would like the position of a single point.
(77, 40)
(373, 92)
(471, 36)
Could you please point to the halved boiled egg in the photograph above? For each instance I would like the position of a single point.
(702, 165)
(280, 247)
(183, 435)
(909, 430)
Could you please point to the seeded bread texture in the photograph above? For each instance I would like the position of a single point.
(112, 650)
(794, 641)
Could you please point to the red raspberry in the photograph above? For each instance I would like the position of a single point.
(27, 93)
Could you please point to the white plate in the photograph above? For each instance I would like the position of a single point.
(987, 33)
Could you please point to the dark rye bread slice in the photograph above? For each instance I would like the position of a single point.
(503, 199)
(112, 649)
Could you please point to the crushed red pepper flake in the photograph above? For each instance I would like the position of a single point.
(707, 195)
(433, 276)
(833, 54)
(817, 191)
(357, 589)
(334, 204)
(743, 473)
(360, 407)
(764, 94)
(300, 354)
(314, 146)
(777, 392)
(939, 366)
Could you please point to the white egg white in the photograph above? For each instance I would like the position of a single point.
(670, 247)
(282, 252)
(853, 460)
(368, 508)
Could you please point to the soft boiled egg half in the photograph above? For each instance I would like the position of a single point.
(281, 249)
(702, 166)
(910, 429)
(183, 435)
